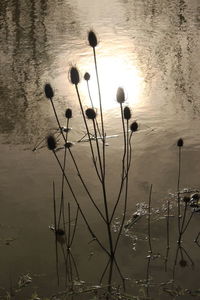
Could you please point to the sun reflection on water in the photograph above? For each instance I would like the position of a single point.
(113, 72)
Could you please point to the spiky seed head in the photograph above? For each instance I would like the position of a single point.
(68, 145)
(51, 142)
(183, 263)
(48, 91)
(127, 113)
(74, 75)
(134, 126)
(120, 95)
(68, 113)
(90, 113)
(180, 142)
(87, 76)
(92, 39)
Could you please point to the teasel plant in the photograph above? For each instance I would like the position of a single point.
(179, 145)
(183, 222)
(167, 234)
(97, 149)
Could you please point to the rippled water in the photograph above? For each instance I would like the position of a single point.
(151, 48)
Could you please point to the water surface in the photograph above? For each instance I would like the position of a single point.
(148, 47)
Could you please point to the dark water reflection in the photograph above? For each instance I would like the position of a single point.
(151, 48)
(39, 40)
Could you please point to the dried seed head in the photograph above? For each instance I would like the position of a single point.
(60, 235)
(127, 113)
(68, 113)
(60, 231)
(183, 263)
(68, 145)
(180, 142)
(120, 95)
(48, 91)
(134, 126)
(74, 75)
(92, 39)
(87, 76)
(186, 199)
(51, 142)
(90, 113)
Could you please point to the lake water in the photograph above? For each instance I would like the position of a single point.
(151, 49)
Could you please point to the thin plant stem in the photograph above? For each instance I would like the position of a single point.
(101, 110)
(149, 220)
(55, 113)
(178, 189)
(75, 225)
(147, 275)
(104, 195)
(168, 245)
(62, 209)
(76, 200)
(87, 130)
(55, 228)
(190, 259)
(104, 272)
(183, 222)
(120, 273)
(123, 164)
(125, 144)
(110, 274)
(188, 222)
(89, 94)
(175, 261)
(123, 179)
(85, 186)
(66, 269)
(71, 154)
(75, 266)
(126, 186)
(69, 225)
(197, 237)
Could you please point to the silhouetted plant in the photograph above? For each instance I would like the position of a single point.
(179, 145)
(98, 158)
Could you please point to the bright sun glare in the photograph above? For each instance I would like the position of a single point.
(114, 73)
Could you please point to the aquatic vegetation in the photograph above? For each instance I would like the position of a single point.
(137, 226)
